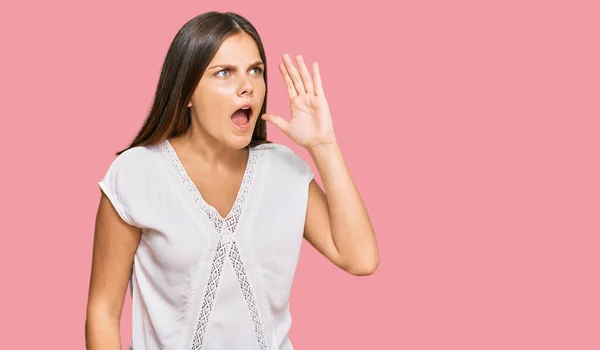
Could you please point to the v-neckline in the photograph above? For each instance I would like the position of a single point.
(232, 217)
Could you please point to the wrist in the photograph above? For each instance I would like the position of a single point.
(321, 150)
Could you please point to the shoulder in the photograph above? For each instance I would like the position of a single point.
(284, 158)
(280, 152)
(131, 169)
(126, 181)
(135, 160)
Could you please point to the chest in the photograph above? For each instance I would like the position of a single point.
(265, 213)
(218, 189)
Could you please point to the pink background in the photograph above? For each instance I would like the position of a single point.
(470, 127)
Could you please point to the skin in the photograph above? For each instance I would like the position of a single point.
(214, 155)
(337, 224)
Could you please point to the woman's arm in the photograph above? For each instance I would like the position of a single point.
(337, 223)
(115, 243)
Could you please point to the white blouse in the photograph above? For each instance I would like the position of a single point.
(200, 281)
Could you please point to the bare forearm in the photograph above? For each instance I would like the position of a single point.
(351, 228)
(102, 332)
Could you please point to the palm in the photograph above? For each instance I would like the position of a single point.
(310, 124)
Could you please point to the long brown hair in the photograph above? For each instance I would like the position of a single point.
(192, 49)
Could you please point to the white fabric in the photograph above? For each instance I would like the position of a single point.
(200, 281)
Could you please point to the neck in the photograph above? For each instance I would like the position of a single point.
(196, 144)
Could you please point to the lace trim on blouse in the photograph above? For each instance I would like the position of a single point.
(227, 247)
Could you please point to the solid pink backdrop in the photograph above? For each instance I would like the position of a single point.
(471, 129)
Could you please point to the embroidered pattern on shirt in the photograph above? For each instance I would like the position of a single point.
(227, 246)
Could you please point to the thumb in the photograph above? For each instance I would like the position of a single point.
(276, 120)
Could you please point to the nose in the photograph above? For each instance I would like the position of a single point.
(245, 87)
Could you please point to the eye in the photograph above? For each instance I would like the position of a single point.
(223, 71)
(258, 70)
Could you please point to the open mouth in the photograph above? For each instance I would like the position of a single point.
(242, 116)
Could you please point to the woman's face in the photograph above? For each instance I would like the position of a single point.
(227, 100)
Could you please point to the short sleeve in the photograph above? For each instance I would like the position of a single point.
(311, 175)
(297, 163)
(117, 184)
(305, 167)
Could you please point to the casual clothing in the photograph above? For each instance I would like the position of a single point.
(200, 281)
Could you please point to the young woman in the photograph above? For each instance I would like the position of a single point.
(204, 217)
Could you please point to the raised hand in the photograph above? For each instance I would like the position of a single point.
(310, 124)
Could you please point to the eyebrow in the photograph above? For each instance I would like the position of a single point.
(257, 63)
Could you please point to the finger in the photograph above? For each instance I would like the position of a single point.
(293, 72)
(318, 82)
(288, 81)
(305, 74)
(276, 120)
